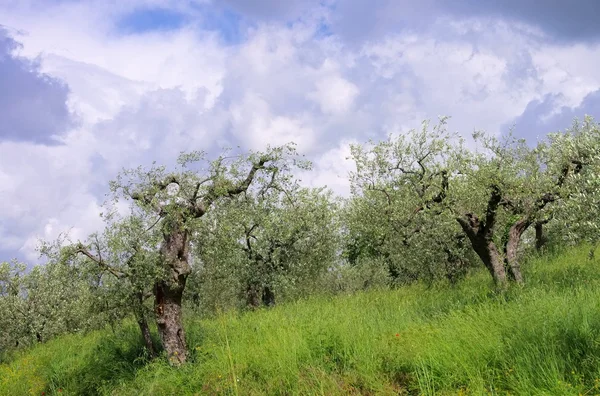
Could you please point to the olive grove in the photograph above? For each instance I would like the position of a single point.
(241, 231)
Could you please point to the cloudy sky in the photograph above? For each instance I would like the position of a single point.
(90, 87)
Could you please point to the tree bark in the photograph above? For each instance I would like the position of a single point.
(490, 255)
(168, 295)
(145, 330)
(257, 295)
(487, 251)
(143, 324)
(253, 295)
(481, 236)
(540, 238)
(512, 248)
(268, 297)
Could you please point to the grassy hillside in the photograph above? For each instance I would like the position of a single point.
(543, 338)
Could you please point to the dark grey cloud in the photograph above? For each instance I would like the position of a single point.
(575, 20)
(358, 20)
(542, 116)
(32, 105)
(270, 9)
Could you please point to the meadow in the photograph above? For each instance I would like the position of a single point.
(539, 339)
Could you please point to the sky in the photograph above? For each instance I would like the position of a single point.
(88, 88)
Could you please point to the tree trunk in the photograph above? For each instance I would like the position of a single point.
(540, 239)
(145, 330)
(491, 257)
(253, 295)
(257, 295)
(493, 260)
(512, 248)
(168, 295)
(268, 297)
(487, 251)
(169, 322)
(143, 324)
(481, 235)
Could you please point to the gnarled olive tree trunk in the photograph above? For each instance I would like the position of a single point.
(540, 238)
(253, 295)
(168, 295)
(488, 252)
(257, 295)
(512, 248)
(481, 235)
(268, 297)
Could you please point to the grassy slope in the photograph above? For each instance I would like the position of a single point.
(541, 339)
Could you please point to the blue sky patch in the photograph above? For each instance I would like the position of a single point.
(150, 19)
(225, 21)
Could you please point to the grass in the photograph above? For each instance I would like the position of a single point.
(541, 339)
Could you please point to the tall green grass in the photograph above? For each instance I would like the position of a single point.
(540, 339)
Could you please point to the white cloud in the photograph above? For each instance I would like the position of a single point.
(256, 126)
(569, 71)
(145, 97)
(334, 94)
(332, 169)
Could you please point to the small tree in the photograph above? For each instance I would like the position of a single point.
(124, 262)
(286, 238)
(42, 303)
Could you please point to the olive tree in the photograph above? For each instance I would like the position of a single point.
(283, 239)
(42, 302)
(578, 217)
(494, 194)
(395, 211)
(174, 203)
(497, 192)
(124, 261)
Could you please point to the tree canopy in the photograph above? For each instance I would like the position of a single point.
(241, 231)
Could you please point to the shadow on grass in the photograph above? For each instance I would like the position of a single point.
(114, 359)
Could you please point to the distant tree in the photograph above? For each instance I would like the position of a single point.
(285, 237)
(41, 303)
(395, 211)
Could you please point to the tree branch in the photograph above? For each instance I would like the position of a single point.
(387, 195)
(243, 186)
(101, 263)
(492, 207)
(147, 196)
(211, 196)
(470, 225)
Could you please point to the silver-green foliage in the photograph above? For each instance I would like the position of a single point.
(578, 217)
(395, 214)
(265, 244)
(44, 302)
